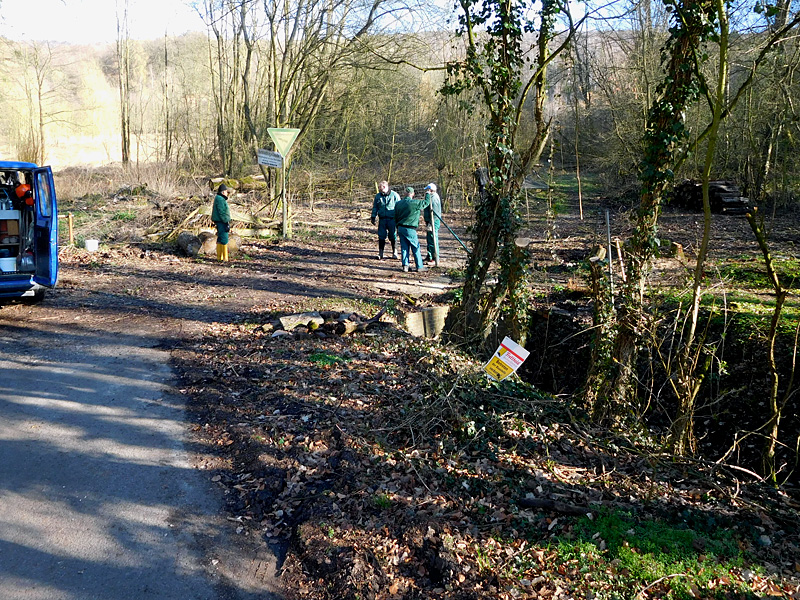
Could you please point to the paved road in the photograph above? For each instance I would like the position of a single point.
(98, 499)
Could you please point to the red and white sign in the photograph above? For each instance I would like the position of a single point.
(506, 360)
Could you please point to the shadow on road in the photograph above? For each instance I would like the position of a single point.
(100, 500)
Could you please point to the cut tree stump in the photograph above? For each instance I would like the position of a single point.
(189, 243)
(348, 327)
(208, 240)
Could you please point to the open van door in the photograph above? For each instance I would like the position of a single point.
(45, 228)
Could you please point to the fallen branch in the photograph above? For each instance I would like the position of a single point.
(553, 505)
(377, 317)
(657, 581)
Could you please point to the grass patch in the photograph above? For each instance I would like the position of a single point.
(634, 553)
(85, 218)
(382, 501)
(124, 216)
(752, 272)
(457, 274)
(567, 183)
(93, 224)
(327, 359)
(750, 311)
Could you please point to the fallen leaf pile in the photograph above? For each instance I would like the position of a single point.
(390, 467)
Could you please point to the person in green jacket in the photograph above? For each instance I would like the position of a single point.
(406, 215)
(221, 216)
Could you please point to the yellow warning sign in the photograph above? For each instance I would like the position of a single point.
(283, 137)
(497, 369)
(508, 358)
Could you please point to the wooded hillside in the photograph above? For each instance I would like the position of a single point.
(366, 98)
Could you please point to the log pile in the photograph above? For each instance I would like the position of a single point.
(323, 324)
(244, 224)
(725, 197)
(247, 224)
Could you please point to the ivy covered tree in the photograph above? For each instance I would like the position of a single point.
(502, 79)
(611, 389)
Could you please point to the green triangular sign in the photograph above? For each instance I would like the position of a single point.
(283, 138)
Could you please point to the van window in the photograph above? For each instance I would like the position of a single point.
(44, 200)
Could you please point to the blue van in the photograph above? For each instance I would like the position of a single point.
(28, 230)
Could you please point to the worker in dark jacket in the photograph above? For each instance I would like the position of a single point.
(221, 216)
(383, 210)
(406, 214)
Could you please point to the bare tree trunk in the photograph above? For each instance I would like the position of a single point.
(168, 134)
(40, 80)
(497, 211)
(394, 137)
(249, 45)
(123, 78)
(776, 406)
(576, 106)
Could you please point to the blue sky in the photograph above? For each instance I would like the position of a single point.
(93, 21)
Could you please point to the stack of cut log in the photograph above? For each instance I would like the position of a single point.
(322, 324)
(725, 197)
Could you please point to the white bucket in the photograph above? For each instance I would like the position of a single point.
(92, 245)
(8, 265)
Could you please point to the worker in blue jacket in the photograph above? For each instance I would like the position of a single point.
(432, 215)
(383, 210)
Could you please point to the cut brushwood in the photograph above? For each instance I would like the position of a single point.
(241, 217)
(173, 233)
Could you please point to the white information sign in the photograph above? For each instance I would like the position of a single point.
(506, 360)
(269, 158)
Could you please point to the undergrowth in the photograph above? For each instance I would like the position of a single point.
(437, 468)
